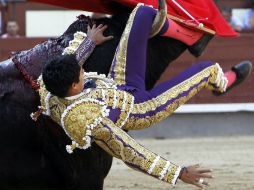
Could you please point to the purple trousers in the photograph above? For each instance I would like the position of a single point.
(128, 71)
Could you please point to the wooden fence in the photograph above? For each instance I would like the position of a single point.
(227, 52)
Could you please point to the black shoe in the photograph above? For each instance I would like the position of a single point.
(198, 48)
(242, 70)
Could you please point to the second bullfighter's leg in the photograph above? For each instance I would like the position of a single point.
(128, 71)
(157, 104)
(129, 62)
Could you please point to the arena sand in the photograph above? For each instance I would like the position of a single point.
(231, 158)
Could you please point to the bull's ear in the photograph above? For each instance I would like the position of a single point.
(5, 92)
(64, 41)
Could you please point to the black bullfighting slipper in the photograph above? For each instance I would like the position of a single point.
(242, 70)
(198, 48)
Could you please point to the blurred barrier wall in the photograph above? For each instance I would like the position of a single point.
(18, 11)
(226, 52)
(206, 115)
(7, 46)
(234, 3)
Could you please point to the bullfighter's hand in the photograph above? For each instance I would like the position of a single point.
(196, 176)
(96, 34)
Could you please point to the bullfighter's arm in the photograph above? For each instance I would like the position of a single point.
(84, 50)
(82, 46)
(120, 145)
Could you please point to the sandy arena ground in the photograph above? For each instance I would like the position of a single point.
(231, 158)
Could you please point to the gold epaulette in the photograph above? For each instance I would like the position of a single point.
(44, 98)
(75, 43)
(80, 118)
(42, 92)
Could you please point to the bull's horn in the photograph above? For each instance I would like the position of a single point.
(160, 18)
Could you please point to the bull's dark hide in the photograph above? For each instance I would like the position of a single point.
(33, 155)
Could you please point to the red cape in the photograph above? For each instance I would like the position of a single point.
(199, 9)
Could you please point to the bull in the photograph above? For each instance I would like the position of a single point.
(33, 155)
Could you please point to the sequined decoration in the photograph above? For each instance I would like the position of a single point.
(84, 50)
(137, 123)
(162, 99)
(82, 46)
(119, 68)
(119, 144)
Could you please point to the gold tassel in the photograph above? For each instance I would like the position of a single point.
(38, 113)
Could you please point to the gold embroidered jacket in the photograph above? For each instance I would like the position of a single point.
(85, 118)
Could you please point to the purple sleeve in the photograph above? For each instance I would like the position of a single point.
(84, 50)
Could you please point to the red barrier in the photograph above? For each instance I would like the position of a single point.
(7, 46)
(227, 52)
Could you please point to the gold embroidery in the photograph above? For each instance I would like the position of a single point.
(163, 98)
(118, 143)
(56, 109)
(112, 139)
(84, 50)
(79, 118)
(42, 92)
(109, 100)
(135, 123)
(121, 53)
(159, 167)
(171, 174)
(105, 147)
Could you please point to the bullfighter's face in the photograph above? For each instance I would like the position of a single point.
(77, 87)
(80, 84)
